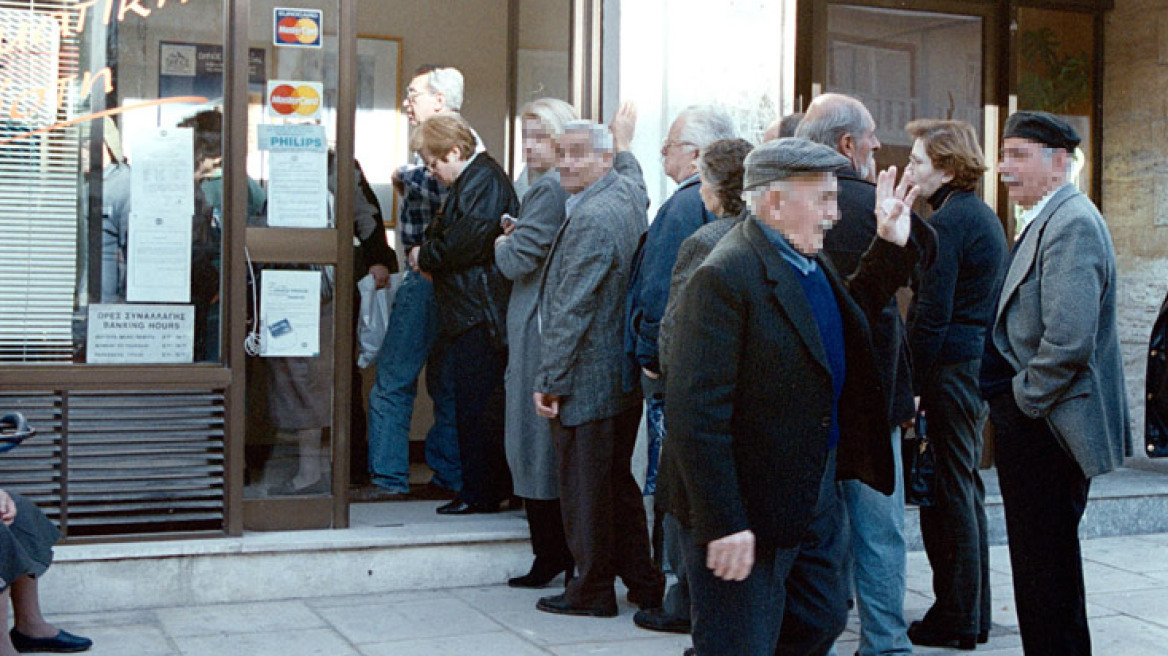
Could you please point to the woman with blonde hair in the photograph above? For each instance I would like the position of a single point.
(520, 254)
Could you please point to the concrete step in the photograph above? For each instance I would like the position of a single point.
(404, 546)
(1128, 501)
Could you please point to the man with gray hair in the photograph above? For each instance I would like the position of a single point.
(771, 392)
(412, 333)
(877, 520)
(586, 386)
(679, 217)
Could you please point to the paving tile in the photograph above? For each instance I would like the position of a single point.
(659, 646)
(502, 599)
(238, 618)
(548, 629)
(1130, 555)
(312, 642)
(490, 644)
(1147, 605)
(1102, 578)
(1127, 636)
(408, 596)
(121, 639)
(434, 618)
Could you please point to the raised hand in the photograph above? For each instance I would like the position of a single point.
(894, 207)
(623, 126)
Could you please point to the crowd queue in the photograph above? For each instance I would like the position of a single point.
(755, 325)
(756, 319)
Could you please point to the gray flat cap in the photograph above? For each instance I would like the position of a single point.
(783, 158)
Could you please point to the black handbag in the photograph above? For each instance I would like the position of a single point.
(919, 466)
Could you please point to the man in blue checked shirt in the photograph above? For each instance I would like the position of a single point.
(413, 322)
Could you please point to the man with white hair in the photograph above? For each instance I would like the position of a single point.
(413, 323)
(877, 520)
(679, 217)
(772, 387)
(585, 384)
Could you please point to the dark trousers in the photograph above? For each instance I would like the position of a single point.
(604, 518)
(548, 542)
(1044, 493)
(677, 600)
(479, 401)
(793, 603)
(954, 528)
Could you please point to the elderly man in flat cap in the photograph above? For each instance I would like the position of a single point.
(1053, 376)
(772, 389)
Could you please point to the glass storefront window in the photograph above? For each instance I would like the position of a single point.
(906, 65)
(110, 231)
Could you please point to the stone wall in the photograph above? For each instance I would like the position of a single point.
(1135, 176)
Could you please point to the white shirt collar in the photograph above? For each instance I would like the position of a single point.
(1025, 216)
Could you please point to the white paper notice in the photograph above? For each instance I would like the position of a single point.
(140, 334)
(290, 313)
(297, 175)
(162, 182)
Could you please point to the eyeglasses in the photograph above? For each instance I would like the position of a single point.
(667, 144)
(412, 95)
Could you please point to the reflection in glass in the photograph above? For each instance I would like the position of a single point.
(906, 65)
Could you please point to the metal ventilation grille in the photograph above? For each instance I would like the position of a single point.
(126, 462)
(39, 180)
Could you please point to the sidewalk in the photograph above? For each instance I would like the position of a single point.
(1127, 586)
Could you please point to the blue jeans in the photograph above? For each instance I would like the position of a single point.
(878, 561)
(409, 343)
(655, 429)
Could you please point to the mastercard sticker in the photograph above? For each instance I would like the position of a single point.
(300, 28)
(292, 99)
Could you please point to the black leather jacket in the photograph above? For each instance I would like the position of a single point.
(1156, 415)
(459, 251)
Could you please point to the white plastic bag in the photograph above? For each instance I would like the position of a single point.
(374, 319)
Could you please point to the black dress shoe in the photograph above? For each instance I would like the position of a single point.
(541, 575)
(924, 635)
(690, 652)
(560, 605)
(62, 643)
(460, 507)
(656, 619)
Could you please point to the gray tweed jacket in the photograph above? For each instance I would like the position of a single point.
(582, 298)
(1056, 325)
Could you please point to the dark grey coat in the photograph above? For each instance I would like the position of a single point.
(582, 298)
(531, 454)
(1056, 326)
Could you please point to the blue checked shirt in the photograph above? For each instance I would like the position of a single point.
(423, 197)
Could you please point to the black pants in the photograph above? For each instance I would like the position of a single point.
(479, 403)
(954, 529)
(1044, 493)
(548, 542)
(793, 603)
(604, 517)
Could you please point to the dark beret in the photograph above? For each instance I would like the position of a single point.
(783, 158)
(1044, 128)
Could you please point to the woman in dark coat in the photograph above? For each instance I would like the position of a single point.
(520, 254)
(471, 295)
(26, 550)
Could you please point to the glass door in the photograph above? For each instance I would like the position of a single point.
(297, 343)
(938, 60)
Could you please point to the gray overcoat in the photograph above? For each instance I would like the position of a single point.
(1056, 326)
(531, 454)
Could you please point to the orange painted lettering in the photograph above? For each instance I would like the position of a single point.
(14, 109)
(126, 6)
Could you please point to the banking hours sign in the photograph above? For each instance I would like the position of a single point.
(300, 28)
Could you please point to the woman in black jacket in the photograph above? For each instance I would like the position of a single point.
(472, 295)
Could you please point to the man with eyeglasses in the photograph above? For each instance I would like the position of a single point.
(413, 323)
(679, 217)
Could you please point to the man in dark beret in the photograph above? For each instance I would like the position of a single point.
(772, 389)
(1053, 376)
